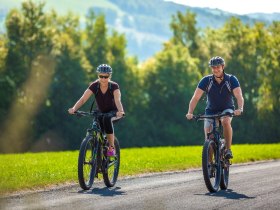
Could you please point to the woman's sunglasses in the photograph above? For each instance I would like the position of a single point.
(102, 76)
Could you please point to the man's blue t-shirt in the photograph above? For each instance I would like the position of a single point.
(219, 97)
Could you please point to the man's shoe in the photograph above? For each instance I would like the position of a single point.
(228, 154)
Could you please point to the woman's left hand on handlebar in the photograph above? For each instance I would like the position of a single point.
(189, 116)
(71, 111)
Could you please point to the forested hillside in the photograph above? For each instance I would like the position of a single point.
(47, 60)
(145, 23)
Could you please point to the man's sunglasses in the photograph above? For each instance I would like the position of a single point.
(104, 77)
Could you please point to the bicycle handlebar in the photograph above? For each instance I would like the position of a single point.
(216, 116)
(95, 113)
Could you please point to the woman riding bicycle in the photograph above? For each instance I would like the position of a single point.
(220, 88)
(108, 98)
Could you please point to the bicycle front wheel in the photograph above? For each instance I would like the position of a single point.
(87, 163)
(111, 168)
(211, 166)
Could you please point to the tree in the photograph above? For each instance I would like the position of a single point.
(95, 46)
(27, 51)
(269, 91)
(238, 41)
(170, 82)
(124, 74)
(69, 83)
(185, 31)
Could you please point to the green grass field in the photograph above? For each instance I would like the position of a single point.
(38, 170)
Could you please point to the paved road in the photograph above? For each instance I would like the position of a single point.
(252, 186)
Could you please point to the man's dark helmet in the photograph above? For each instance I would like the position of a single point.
(104, 68)
(216, 61)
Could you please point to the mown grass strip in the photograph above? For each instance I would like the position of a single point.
(33, 170)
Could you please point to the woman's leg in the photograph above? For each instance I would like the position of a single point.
(109, 130)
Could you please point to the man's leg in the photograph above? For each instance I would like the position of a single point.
(226, 122)
(207, 127)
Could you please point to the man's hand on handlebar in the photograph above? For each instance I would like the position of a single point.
(71, 111)
(189, 116)
(238, 112)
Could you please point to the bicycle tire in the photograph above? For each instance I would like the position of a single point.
(111, 167)
(211, 171)
(225, 174)
(87, 163)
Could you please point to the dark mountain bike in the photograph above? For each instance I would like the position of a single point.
(214, 164)
(92, 156)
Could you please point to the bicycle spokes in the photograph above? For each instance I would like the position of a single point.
(112, 165)
(225, 174)
(211, 170)
(211, 166)
(86, 163)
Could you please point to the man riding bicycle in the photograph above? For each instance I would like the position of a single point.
(220, 89)
(108, 98)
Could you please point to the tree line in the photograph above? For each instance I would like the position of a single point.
(48, 60)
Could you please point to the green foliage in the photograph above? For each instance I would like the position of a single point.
(47, 61)
(185, 31)
(269, 70)
(69, 82)
(170, 81)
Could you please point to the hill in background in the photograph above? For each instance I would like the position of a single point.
(144, 22)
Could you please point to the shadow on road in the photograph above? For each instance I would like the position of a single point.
(104, 191)
(229, 194)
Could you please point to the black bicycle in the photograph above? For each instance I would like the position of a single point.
(215, 166)
(92, 156)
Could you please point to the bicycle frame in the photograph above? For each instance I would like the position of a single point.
(216, 131)
(95, 144)
(100, 141)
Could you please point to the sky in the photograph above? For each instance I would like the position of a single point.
(240, 7)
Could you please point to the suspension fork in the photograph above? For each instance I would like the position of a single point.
(97, 150)
(218, 145)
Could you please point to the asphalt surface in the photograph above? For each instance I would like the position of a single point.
(252, 186)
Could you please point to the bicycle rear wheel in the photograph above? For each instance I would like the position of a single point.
(225, 174)
(211, 166)
(87, 162)
(111, 167)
